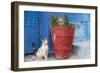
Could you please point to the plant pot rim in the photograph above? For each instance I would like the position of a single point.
(61, 27)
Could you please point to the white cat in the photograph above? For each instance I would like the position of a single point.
(43, 51)
(60, 21)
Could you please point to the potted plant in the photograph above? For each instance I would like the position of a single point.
(62, 32)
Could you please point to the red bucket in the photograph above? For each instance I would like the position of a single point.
(62, 41)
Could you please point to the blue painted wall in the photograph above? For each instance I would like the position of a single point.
(37, 27)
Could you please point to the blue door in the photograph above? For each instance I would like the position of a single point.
(31, 31)
(36, 28)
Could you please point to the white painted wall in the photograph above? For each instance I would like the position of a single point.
(5, 40)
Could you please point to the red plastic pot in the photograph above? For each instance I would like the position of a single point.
(62, 41)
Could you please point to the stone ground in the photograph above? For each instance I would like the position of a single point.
(32, 57)
(80, 51)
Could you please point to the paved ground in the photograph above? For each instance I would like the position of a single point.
(80, 51)
(32, 57)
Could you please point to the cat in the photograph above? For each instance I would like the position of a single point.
(60, 21)
(42, 52)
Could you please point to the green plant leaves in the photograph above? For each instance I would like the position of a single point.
(54, 22)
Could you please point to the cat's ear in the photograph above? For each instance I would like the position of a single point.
(42, 41)
(46, 40)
